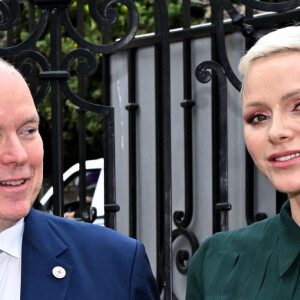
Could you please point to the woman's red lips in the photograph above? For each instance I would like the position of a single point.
(284, 156)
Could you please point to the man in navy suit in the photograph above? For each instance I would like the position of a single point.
(44, 256)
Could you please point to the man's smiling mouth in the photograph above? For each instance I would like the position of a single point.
(12, 183)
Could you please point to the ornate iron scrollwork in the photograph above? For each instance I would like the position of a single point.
(107, 17)
(183, 256)
(26, 69)
(85, 67)
(9, 14)
(32, 38)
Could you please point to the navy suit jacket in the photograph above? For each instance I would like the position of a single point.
(100, 263)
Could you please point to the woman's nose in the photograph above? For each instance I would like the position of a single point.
(13, 151)
(280, 131)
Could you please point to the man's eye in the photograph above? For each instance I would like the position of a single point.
(31, 130)
(28, 131)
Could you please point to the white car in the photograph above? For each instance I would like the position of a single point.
(94, 189)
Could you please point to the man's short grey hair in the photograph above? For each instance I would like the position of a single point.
(6, 63)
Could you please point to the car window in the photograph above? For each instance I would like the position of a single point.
(71, 189)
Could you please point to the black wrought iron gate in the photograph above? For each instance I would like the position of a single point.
(50, 74)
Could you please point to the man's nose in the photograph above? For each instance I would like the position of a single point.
(13, 151)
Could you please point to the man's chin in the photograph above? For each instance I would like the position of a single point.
(15, 213)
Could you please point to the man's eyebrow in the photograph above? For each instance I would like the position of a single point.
(290, 94)
(33, 119)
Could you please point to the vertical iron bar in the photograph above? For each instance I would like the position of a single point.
(213, 96)
(214, 86)
(109, 142)
(219, 137)
(186, 14)
(57, 156)
(105, 90)
(187, 62)
(188, 121)
(82, 124)
(249, 166)
(132, 108)
(188, 161)
(31, 26)
(109, 167)
(163, 151)
(80, 28)
(82, 168)
(249, 170)
(159, 167)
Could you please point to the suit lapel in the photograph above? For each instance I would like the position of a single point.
(41, 248)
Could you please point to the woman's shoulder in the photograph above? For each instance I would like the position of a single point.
(263, 234)
(250, 234)
(228, 258)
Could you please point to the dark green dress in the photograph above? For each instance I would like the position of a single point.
(260, 261)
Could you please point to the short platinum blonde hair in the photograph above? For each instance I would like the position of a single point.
(281, 40)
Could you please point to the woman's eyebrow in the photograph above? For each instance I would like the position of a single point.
(290, 94)
(254, 104)
(284, 97)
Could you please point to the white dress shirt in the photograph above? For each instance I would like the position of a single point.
(10, 261)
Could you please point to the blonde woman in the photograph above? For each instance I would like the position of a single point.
(262, 261)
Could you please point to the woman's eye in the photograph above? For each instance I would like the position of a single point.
(256, 119)
(297, 106)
